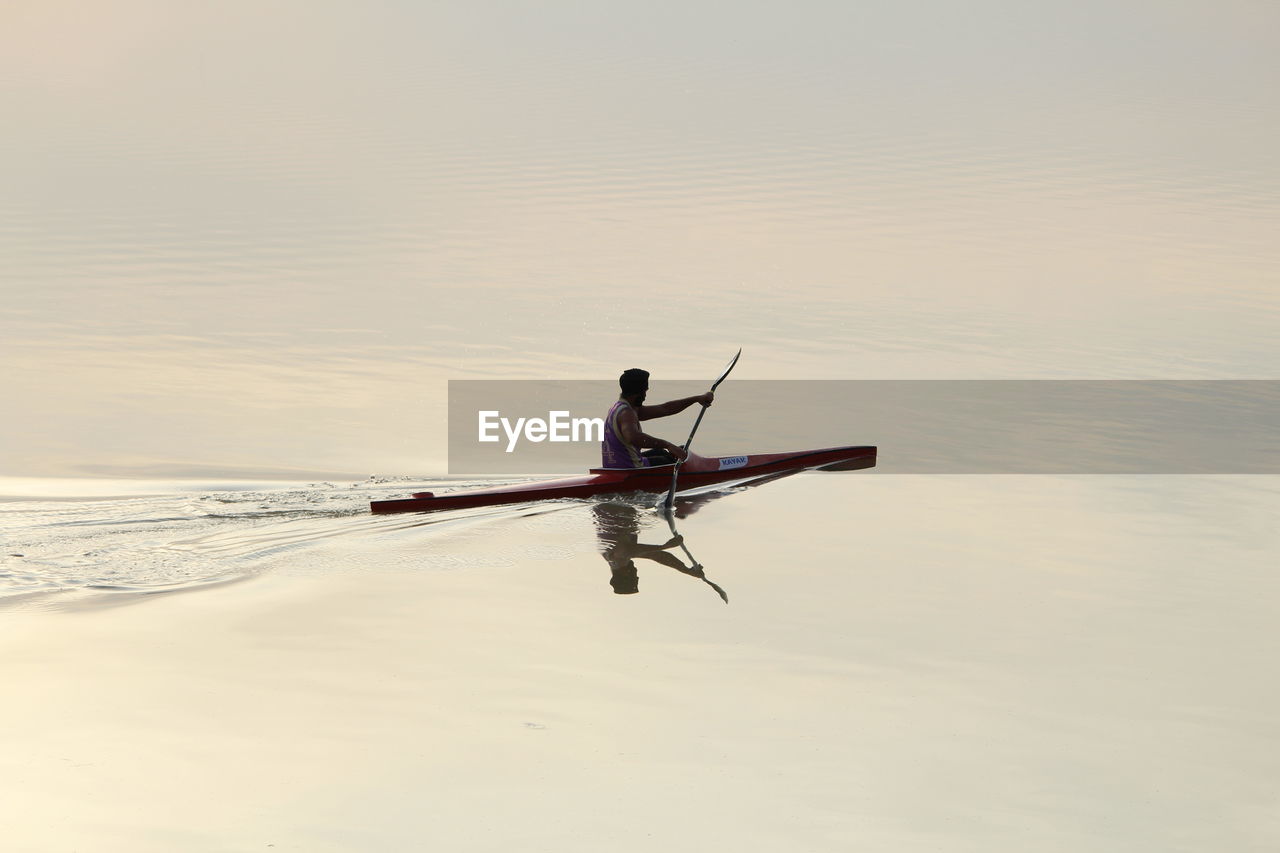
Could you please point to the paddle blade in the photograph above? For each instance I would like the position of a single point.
(727, 370)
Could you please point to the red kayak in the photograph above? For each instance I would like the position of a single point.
(696, 472)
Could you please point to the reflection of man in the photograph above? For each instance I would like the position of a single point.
(625, 445)
(618, 528)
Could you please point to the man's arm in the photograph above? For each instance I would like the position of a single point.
(663, 410)
(631, 434)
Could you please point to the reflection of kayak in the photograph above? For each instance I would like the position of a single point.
(697, 471)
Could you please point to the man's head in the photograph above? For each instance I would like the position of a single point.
(634, 384)
(625, 579)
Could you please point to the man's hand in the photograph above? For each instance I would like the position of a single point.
(676, 451)
(706, 399)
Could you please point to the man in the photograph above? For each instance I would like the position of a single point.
(618, 528)
(624, 445)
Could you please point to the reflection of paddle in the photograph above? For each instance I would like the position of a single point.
(696, 569)
(675, 472)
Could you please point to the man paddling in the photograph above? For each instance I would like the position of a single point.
(618, 525)
(625, 445)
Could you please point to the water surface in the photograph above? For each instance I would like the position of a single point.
(243, 248)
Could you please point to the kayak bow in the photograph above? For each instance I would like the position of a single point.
(696, 472)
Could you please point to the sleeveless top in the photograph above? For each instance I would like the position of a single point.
(614, 452)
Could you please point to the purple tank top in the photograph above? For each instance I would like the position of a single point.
(614, 452)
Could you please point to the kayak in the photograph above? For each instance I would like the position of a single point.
(696, 472)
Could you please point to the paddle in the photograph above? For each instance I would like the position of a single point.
(675, 472)
(696, 570)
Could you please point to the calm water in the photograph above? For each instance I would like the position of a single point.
(908, 662)
(227, 248)
(255, 241)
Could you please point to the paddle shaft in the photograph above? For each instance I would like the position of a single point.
(675, 472)
(697, 567)
(696, 421)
